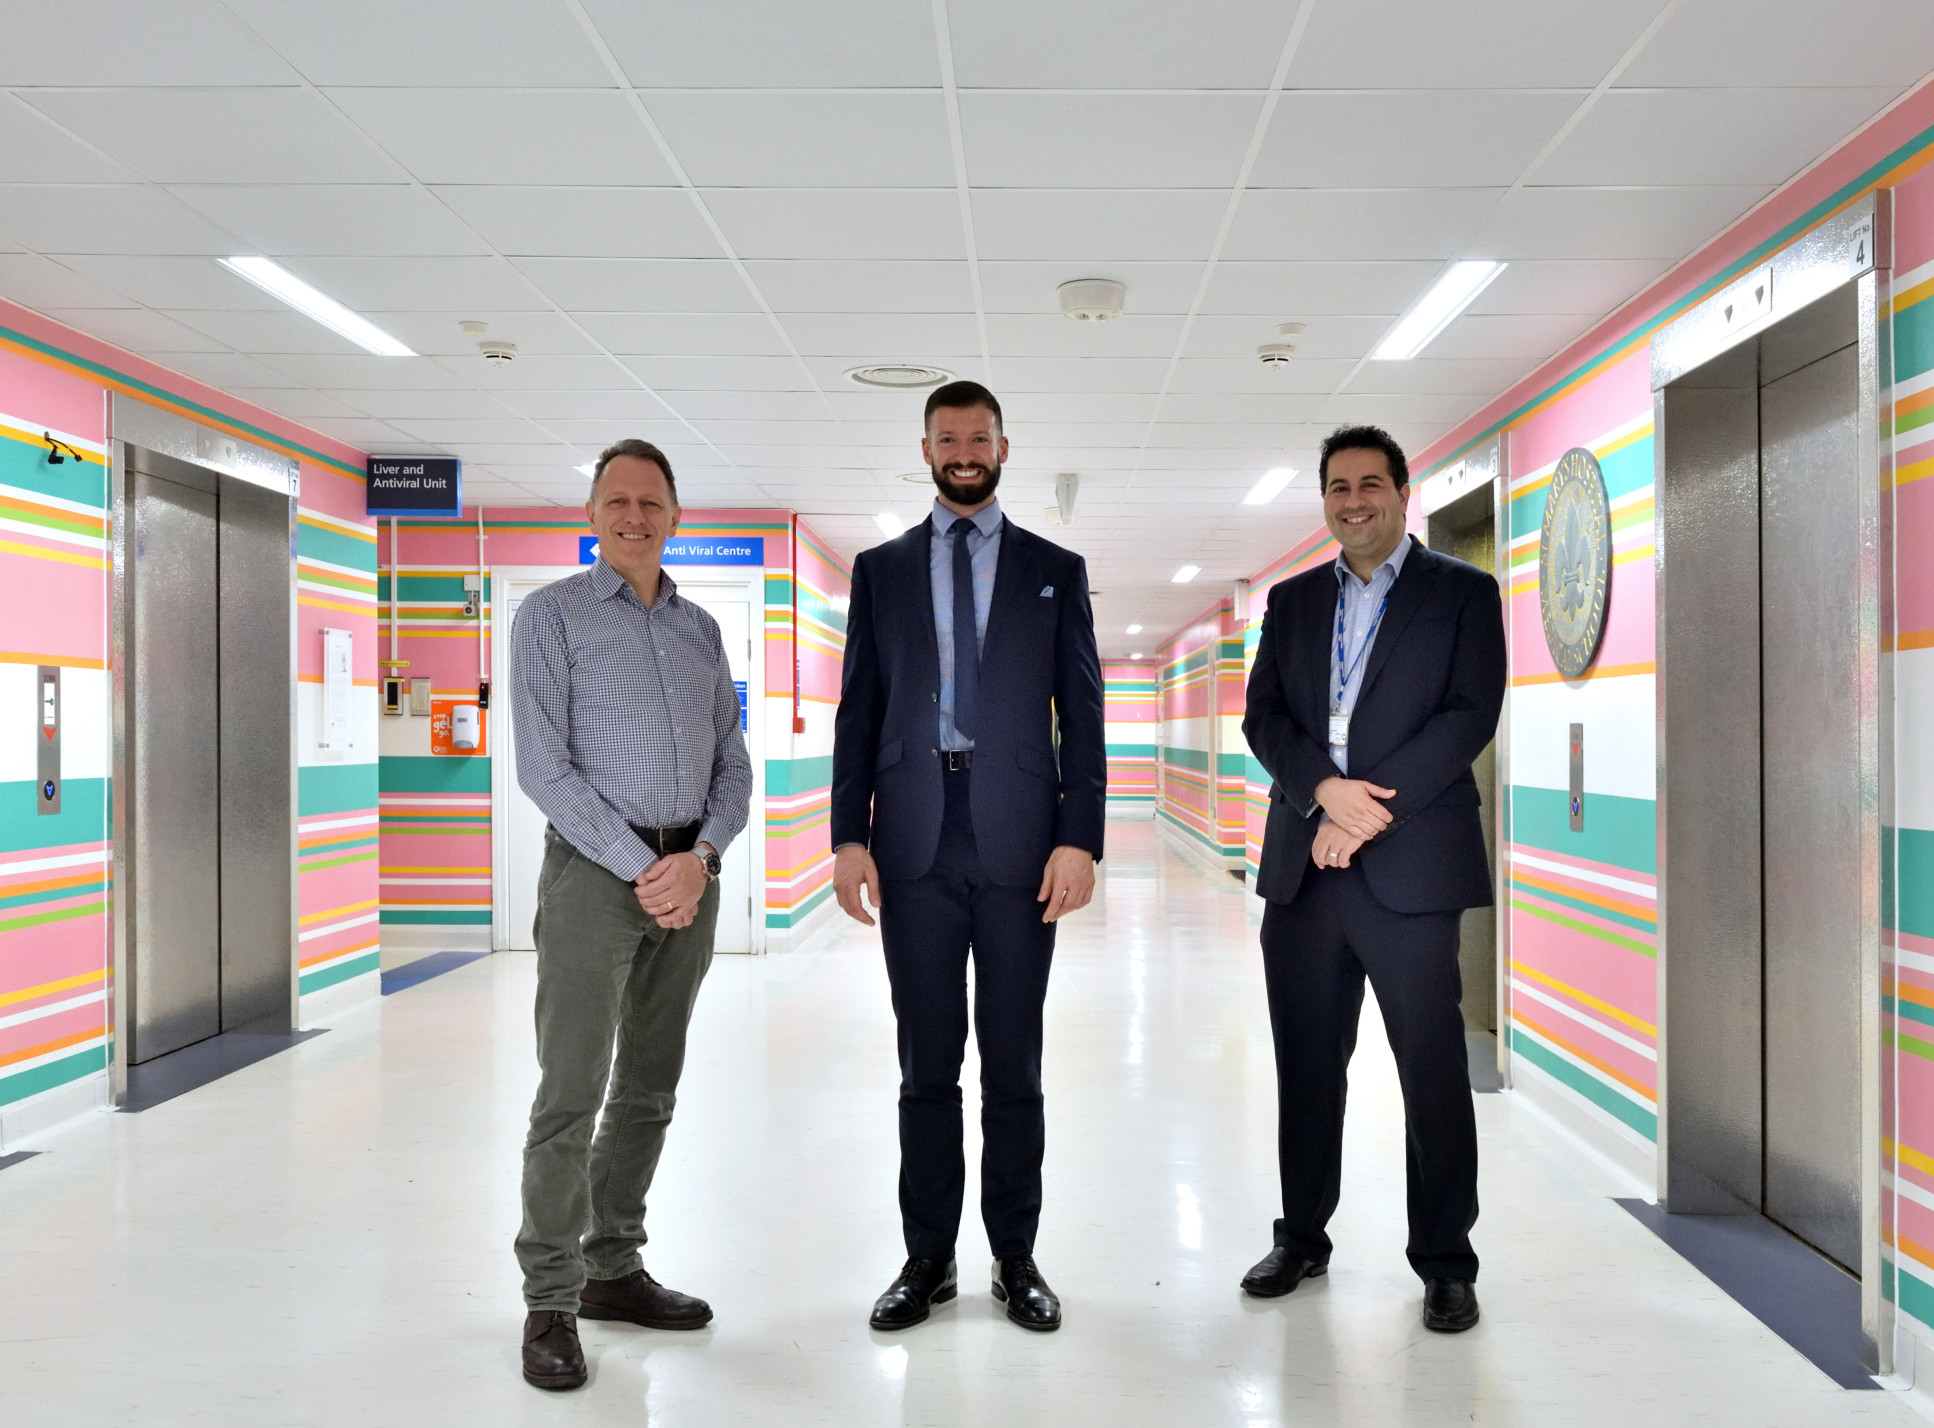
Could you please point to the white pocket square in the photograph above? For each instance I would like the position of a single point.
(1046, 590)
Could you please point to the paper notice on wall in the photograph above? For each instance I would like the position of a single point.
(338, 687)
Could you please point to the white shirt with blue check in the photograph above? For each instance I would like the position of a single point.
(626, 717)
(1362, 616)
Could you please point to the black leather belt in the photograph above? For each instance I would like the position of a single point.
(956, 760)
(669, 840)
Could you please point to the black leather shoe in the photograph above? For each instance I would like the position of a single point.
(1030, 1303)
(1278, 1272)
(639, 1299)
(922, 1284)
(553, 1358)
(1450, 1305)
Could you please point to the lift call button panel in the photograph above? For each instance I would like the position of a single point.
(47, 739)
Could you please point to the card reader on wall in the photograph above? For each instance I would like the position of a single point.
(465, 727)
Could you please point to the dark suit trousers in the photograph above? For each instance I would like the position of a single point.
(1316, 952)
(928, 926)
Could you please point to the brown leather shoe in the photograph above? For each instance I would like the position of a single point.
(640, 1299)
(553, 1358)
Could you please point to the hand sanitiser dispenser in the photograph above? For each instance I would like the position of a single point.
(464, 726)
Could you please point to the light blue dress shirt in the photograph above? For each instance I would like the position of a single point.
(1362, 600)
(984, 550)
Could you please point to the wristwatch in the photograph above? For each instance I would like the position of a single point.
(707, 856)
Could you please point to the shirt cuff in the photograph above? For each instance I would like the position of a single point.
(630, 862)
(708, 832)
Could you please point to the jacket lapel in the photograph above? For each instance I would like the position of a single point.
(1010, 580)
(915, 559)
(1317, 636)
(1413, 583)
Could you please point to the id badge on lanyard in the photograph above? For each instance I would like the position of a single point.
(1339, 718)
(1339, 731)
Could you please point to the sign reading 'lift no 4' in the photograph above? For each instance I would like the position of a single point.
(414, 486)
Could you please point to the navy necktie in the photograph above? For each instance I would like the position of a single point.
(966, 635)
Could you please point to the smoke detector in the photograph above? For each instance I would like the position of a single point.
(899, 374)
(1276, 354)
(472, 328)
(1092, 299)
(501, 354)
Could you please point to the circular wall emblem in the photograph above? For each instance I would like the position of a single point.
(1575, 561)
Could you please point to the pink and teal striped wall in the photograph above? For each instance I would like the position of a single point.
(1128, 699)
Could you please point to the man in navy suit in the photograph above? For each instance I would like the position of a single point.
(1377, 682)
(970, 646)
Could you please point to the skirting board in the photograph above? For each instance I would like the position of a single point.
(1191, 848)
(37, 1115)
(408, 942)
(318, 1007)
(1595, 1132)
(791, 939)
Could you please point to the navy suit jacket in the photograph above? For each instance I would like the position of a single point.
(1429, 704)
(1038, 665)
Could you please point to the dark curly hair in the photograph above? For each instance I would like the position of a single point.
(1362, 438)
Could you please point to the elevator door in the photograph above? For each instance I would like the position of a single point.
(176, 802)
(1809, 696)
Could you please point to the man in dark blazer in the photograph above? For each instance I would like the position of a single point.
(969, 789)
(1377, 682)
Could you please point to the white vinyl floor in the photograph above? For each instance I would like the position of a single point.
(325, 1237)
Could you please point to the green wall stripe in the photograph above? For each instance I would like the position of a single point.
(1913, 341)
(449, 773)
(786, 777)
(1585, 1084)
(1626, 470)
(1914, 878)
(322, 543)
(82, 819)
(439, 918)
(1643, 924)
(1620, 831)
(1574, 925)
(335, 788)
(799, 913)
(23, 465)
(1197, 759)
(339, 972)
(1131, 751)
(1916, 1295)
(23, 1084)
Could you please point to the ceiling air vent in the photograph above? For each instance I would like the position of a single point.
(899, 374)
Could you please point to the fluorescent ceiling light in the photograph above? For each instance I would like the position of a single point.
(589, 468)
(1270, 487)
(279, 282)
(1134, 629)
(1447, 297)
(890, 524)
(1185, 575)
(1136, 655)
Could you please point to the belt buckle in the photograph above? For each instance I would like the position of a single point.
(956, 760)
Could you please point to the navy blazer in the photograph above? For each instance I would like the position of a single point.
(1429, 704)
(1038, 665)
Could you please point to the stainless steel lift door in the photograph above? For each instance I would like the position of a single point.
(175, 756)
(1811, 809)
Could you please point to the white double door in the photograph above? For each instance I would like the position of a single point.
(518, 839)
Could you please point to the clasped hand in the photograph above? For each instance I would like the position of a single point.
(1067, 883)
(1356, 815)
(670, 888)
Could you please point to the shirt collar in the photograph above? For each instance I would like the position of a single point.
(608, 583)
(986, 521)
(1392, 562)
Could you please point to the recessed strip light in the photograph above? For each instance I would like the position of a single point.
(1270, 487)
(1447, 297)
(589, 468)
(1137, 655)
(1185, 575)
(279, 282)
(890, 524)
(1134, 629)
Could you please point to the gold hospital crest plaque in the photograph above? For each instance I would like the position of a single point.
(1575, 561)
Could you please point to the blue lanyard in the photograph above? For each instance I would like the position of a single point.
(1349, 669)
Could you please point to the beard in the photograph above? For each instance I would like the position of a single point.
(965, 495)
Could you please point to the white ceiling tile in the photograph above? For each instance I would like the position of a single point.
(1058, 141)
(105, 218)
(1392, 409)
(1289, 292)
(583, 222)
(802, 458)
(433, 42)
(354, 374)
(594, 434)
(182, 136)
(1214, 44)
(685, 334)
(515, 136)
(1609, 222)
(1516, 336)
(445, 431)
(1532, 288)
(1079, 374)
(754, 44)
(33, 150)
(1022, 408)
(133, 42)
(1760, 136)
(335, 219)
(1238, 407)
(230, 371)
(1484, 44)
(701, 407)
(446, 403)
(150, 333)
(553, 456)
(1233, 458)
(298, 403)
(1408, 139)
(775, 433)
(816, 140)
(1040, 335)
(909, 337)
(1362, 225)
(37, 282)
(1008, 287)
(1788, 42)
(839, 223)
(877, 286)
(370, 436)
(1238, 337)
(709, 374)
(639, 284)
(468, 286)
(534, 334)
(1236, 374)
(540, 373)
(1218, 435)
(264, 333)
(854, 403)
(633, 404)
(1090, 224)
(1472, 378)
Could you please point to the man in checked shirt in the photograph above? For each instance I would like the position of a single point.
(627, 725)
